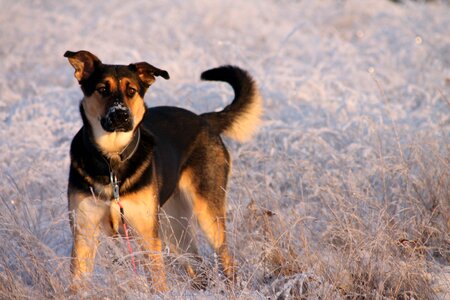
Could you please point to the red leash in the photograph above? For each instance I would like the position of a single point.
(115, 187)
(126, 235)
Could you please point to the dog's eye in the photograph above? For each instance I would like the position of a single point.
(131, 92)
(102, 90)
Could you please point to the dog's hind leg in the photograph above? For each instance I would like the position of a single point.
(206, 180)
(212, 222)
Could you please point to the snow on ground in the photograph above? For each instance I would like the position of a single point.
(347, 86)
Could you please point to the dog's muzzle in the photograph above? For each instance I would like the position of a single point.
(118, 118)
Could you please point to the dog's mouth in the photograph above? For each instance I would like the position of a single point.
(117, 119)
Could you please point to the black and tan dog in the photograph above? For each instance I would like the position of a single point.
(150, 156)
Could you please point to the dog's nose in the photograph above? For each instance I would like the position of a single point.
(118, 118)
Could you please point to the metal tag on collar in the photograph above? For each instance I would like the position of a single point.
(115, 187)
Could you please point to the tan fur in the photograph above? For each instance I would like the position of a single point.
(248, 121)
(79, 67)
(137, 109)
(136, 104)
(110, 81)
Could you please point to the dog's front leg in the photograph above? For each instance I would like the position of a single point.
(141, 211)
(86, 215)
(153, 247)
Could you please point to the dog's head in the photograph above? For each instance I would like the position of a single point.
(113, 94)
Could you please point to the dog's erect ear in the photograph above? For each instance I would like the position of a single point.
(147, 72)
(83, 62)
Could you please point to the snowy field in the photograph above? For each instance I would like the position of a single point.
(344, 192)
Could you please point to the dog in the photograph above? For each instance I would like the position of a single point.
(128, 160)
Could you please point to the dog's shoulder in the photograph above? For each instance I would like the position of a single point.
(86, 164)
(176, 132)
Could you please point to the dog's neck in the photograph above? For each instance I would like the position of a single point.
(111, 143)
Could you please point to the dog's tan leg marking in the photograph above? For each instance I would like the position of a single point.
(211, 216)
(141, 213)
(89, 217)
(212, 222)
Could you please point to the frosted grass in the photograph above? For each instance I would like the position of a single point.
(343, 193)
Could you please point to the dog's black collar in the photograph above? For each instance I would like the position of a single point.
(131, 148)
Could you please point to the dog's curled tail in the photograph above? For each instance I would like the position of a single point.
(240, 119)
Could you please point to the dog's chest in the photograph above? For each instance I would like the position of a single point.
(104, 185)
(103, 192)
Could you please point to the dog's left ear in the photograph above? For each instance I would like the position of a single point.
(83, 62)
(147, 72)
